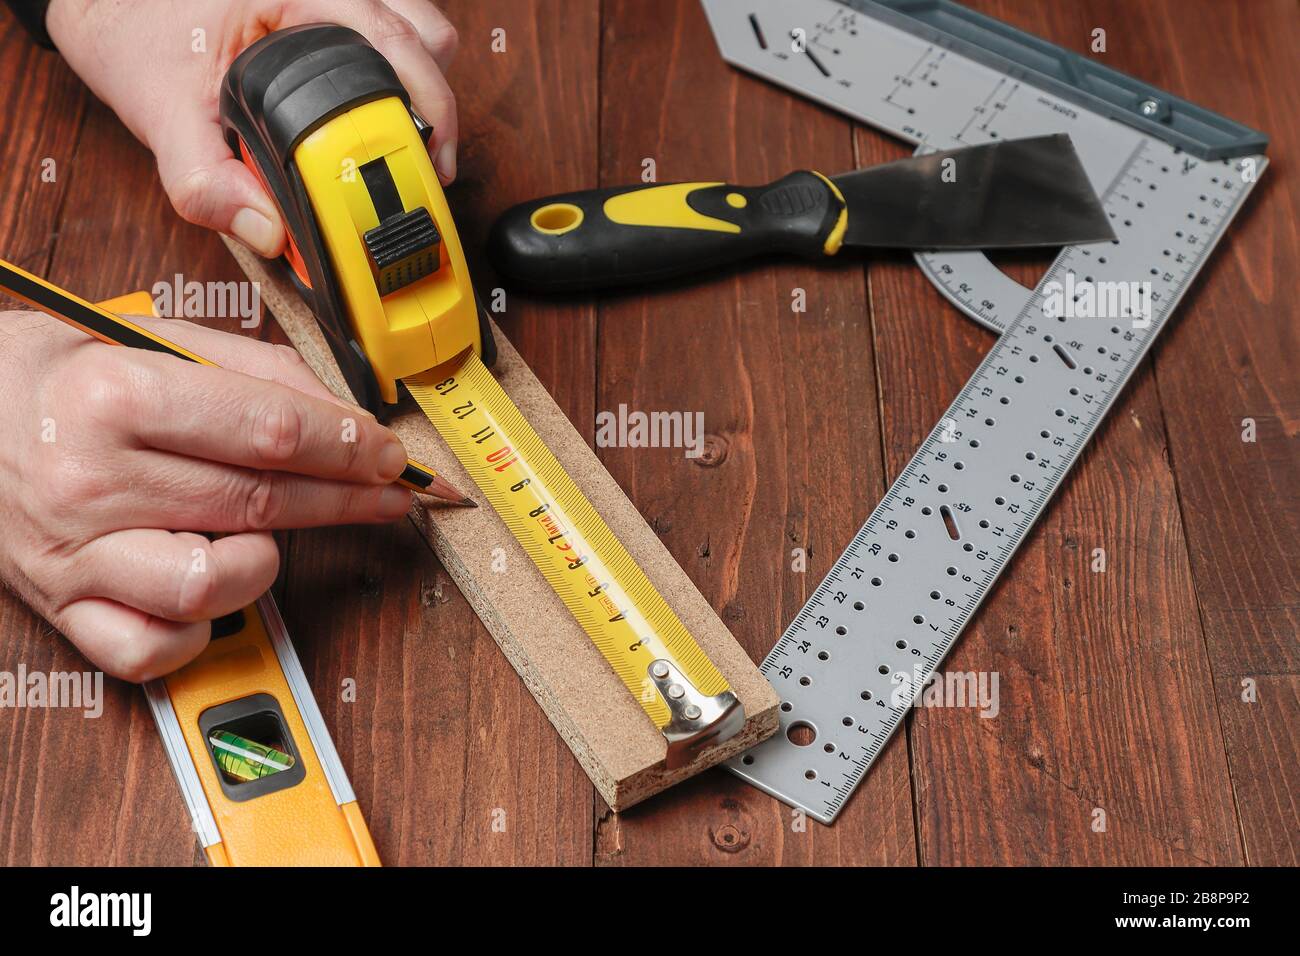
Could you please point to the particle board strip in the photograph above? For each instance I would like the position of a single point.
(618, 747)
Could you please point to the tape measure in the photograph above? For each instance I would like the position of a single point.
(256, 765)
(629, 621)
(1172, 175)
(323, 120)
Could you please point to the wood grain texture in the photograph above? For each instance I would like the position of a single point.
(788, 402)
(133, 813)
(1229, 358)
(510, 152)
(35, 807)
(1103, 676)
(1121, 690)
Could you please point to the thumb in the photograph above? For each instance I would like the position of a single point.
(210, 187)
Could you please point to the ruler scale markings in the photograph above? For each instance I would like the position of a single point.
(637, 632)
(898, 597)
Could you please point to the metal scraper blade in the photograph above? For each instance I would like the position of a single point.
(1014, 193)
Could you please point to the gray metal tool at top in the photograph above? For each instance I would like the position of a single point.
(1171, 175)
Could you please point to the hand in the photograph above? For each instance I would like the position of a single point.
(140, 59)
(111, 459)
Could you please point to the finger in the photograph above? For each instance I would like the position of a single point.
(177, 576)
(399, 41)
(240, 353)
(437, 35)
(209, 186)
(236, 419)
(436, 104)
(126, 642)
(172, 491)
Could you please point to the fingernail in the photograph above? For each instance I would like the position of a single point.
(394, 502)
(445, 161)
(391, 461)
(254, 230)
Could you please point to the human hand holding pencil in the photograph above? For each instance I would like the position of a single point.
(109, 543)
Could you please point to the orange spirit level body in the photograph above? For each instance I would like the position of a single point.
(249, 679)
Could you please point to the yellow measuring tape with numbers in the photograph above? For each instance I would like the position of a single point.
(627, 619)
(377, 256)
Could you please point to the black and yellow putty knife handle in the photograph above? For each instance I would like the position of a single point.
(633, 234)
(115, 330)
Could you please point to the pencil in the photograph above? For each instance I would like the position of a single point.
(115, 330)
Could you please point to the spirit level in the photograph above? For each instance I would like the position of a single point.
(1172, 175)
(256, 766)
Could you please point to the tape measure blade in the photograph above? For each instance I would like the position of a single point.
(600, 583)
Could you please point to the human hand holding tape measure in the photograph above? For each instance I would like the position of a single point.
(143, 458)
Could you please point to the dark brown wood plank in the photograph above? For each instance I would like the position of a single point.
(39, 799)
(1230, 357)
(52, 814)
(1263, 751)
(1105, 685)
(42, 107)
(452, 760)
(793, 455)
(1121, 690)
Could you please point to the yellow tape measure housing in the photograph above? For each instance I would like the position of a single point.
(422, 324)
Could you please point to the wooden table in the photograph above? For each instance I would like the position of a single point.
(1119, 690)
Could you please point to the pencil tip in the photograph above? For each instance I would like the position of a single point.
(448, 493)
